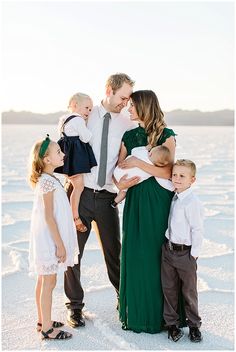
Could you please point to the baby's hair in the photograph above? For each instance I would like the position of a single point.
(166, 155)
(78, 98)
(117, 80)
(36, 163)
(187, 163)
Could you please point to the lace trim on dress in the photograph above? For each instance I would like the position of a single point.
(47, 185)
(51, 269)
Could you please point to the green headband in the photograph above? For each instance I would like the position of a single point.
(44, 146)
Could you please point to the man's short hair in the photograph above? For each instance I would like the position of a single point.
(117, 80)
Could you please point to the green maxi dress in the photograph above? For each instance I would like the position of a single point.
(145, 220)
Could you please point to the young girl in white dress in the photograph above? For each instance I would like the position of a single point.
(74, 142)
(53, 237)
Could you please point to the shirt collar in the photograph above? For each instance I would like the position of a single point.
(184, 194)
(103, 111)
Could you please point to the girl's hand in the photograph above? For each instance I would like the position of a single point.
(129, 163)
(61, 253)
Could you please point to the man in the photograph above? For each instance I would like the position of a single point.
(107, 124)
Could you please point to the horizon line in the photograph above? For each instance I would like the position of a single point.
(63, 111)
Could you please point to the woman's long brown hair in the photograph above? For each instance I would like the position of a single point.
(148, 109)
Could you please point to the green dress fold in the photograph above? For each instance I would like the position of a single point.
(145, 220)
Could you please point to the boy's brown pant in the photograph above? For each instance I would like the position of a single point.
(179, 266)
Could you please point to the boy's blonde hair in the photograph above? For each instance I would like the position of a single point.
(187, 163)
(78, 98)
(117, 80)
(36, 163)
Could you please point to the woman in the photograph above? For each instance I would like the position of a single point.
(145, 219)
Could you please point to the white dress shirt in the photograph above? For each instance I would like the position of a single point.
(118, 125)
(142, 154)
(75, 127)
(186, 221)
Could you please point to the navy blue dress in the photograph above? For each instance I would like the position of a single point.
(79, 156)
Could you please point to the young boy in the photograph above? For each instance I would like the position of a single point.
(180, 252)
(159, 156)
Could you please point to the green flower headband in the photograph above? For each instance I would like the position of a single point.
(44, 146)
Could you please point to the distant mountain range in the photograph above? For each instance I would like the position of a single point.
(174, 117)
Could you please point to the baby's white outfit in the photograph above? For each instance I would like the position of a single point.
(141, 153)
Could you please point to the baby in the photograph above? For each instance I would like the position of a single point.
(159, 156)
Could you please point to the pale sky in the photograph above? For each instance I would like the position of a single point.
(181, 50)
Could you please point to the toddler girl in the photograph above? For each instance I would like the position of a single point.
(79, 157)
(53, 238)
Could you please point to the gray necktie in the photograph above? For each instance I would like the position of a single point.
(173, 203)
(103, 151)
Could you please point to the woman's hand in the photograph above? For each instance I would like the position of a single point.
(128, 163)
(125, 182)
(61, 253)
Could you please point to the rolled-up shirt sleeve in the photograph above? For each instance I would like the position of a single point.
(80, 129)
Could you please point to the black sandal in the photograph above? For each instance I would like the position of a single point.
(62, 335)
(55, 324)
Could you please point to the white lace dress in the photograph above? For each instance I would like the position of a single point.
(42, 251)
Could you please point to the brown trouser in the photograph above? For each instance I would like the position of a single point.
(175, 266)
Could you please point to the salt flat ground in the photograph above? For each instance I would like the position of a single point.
(214, 159)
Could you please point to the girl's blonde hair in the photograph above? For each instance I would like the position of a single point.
(149, 111)
(36, 163)
(78, 98)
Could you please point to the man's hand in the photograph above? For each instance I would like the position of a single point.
(127, 182)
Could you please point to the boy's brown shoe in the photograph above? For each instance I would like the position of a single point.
(195, 334)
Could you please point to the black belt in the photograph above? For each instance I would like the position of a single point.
(176, 246)
(96, 190)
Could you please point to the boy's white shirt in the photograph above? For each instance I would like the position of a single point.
(141, 153)
(186, 221)
(75, 127)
